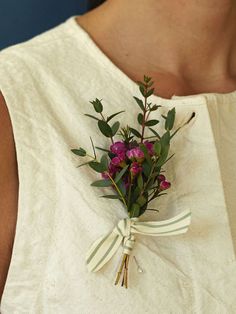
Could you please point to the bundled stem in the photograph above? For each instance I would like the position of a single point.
(123, 268)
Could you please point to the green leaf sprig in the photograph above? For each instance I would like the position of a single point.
(133, 165)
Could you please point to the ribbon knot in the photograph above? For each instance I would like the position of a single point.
(124, 229)
(124, 233)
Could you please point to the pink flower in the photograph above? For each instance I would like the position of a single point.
(118, 148)
(164, 185)
(161, 178)
(118, 161)
(122, 156)
(135, 153)
(135, 168)
(149, 146)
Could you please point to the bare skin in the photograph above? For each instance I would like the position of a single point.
(187, 47)
(8, 192)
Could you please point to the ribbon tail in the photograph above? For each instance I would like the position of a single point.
(175, 225)
(102, 250)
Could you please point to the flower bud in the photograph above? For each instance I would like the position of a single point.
(118, 147)
(118, 161)
(135, 168)
(135, 154)
(149, 146)
(164, 185)
(161, 178)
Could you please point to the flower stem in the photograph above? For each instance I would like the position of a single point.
(112, 140)
(144, 115)
(130, 186)
(118, 190)
(149, 178)
(120, 269)
(94, 158)
(123, 266)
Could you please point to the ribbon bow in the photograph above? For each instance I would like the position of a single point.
(105, 247)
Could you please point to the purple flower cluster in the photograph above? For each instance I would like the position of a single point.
(123, 154)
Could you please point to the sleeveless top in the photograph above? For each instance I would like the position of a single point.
(47, 83)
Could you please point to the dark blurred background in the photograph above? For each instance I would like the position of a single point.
(22, 19)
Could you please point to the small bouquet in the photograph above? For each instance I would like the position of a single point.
(133, 168)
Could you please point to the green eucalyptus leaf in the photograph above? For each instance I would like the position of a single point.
(139, 102)
(151, 122)
(157, 148)
(135, 194)
(150, 92)
(104, 162)
(164, 155)
(140, 118)
(169, 123)
(97, 105)
(115, 127)
(102, 183)
(140, 181)
(113, 115)
(154, 132)
(135, 132)
(135, 208)
(113, 197)
(141, 200)
(142, 90)
(120, 174)
(105, 128)
(80, 152)
(97, 166)
(146, 168)
(154, 107)
(91, 116)
(165, 139)
(121, 187)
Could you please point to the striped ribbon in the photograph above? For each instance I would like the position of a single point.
(105, 247)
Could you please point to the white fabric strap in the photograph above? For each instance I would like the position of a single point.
(105, 247)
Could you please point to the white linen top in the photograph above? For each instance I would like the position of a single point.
(47, 83)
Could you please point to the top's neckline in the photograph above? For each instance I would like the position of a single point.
(115, 71)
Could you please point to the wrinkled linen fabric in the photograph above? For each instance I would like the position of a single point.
(47, 83)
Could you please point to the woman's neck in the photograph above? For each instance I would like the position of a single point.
(190, 44)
